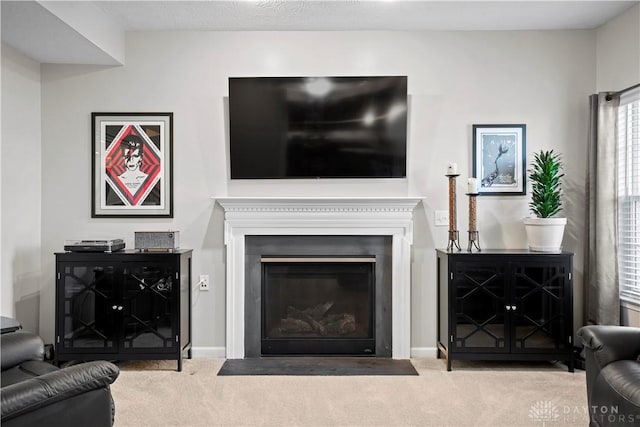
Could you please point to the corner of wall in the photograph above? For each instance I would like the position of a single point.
(21, 195)
(618, 51)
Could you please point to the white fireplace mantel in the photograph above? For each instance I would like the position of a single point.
(253, 216)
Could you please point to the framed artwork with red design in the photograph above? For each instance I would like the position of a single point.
(131, 165)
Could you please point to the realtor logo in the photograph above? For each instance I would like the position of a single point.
(544, 411)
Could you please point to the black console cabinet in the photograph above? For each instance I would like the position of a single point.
(505, 305)
(124, 305)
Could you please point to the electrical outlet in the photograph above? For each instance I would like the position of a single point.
(204, 282)
(441, 218)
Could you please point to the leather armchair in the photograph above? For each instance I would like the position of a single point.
(612, 357)
(37, 393)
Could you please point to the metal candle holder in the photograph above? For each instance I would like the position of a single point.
(474, 234)
(454, 239)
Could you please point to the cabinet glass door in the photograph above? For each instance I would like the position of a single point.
(86, 295)
(148, 308)
(479, 301)
(540, 306)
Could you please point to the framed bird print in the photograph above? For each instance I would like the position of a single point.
(499, 159)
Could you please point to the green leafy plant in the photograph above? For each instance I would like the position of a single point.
(545, 175)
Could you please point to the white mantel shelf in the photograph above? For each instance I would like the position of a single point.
(388, 216)
(320, 203)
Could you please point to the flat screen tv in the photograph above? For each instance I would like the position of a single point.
(318, 127)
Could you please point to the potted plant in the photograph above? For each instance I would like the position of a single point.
(545, 230)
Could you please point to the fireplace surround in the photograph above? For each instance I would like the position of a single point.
(265, 216)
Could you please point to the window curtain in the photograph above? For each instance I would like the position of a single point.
(602, 299)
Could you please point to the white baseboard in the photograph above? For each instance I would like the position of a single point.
(209, 352)
(220, 352)
(431, 352)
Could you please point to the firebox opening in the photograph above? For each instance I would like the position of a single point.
(318, 306)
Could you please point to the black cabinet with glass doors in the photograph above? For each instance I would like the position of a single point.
(125, 305)
(505, 305)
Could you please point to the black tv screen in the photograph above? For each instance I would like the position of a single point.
(318, 127)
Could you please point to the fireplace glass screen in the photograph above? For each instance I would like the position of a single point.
(318, 306)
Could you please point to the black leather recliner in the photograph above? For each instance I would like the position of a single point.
(612, 357)
(37, 393)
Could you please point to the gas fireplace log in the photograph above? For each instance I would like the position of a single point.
(311, 315)
(332, 324)
(290, 324)
(341, 324)
(317, 326)
(316, 313)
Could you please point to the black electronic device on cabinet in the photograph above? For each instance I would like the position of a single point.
(505, 305)
(124, 305)
(105, 245)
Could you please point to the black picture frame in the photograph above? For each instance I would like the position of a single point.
(132, 165)
(500, 159)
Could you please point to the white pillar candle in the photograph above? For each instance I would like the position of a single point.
(472, 185)
(452, 169)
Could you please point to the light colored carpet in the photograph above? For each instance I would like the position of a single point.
(152, 393)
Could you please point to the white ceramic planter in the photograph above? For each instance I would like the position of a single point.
(545, 234)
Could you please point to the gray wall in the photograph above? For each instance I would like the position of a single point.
(618, 52)
(21, 167)
(456, 79)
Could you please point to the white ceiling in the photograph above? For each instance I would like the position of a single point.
(323, 15)
(54, 32)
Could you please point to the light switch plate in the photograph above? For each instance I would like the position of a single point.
(441, 218)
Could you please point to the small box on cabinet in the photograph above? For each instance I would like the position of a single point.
(157, 240)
